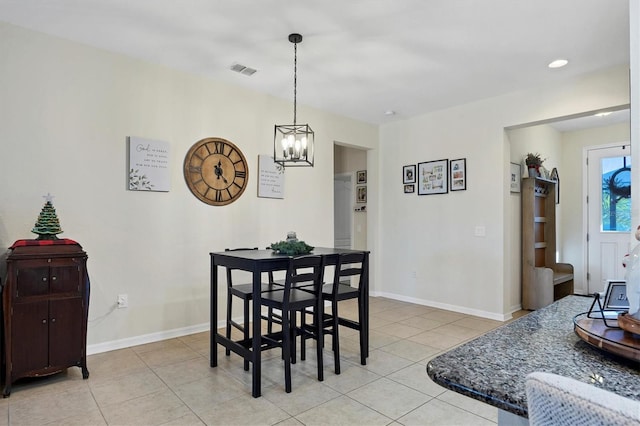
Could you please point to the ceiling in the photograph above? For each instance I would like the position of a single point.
(359, 58)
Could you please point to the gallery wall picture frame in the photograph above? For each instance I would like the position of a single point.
(515, 172)
(458, 174)
(409, 174)
(361, 194)
(433, 177)
(361, 176)
(409, 188)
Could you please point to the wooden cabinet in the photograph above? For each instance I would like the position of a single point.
(45, 303)
(543, 279)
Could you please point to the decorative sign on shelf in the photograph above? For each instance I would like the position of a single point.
(148, 165)
(270, 178)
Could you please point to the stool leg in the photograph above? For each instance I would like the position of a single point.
(363, 329)
(286, 351)
(303, 335)
(317, 317)
(245, 329)
(227, 352)
(335, 344)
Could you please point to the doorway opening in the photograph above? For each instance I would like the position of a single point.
(608, 213)
(350, 211)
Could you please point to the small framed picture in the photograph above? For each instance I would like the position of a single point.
(362, 176)
(616, 296)
(515, 173)
(409, 174)
(361, 194)
(409, 189)
(458, 174)
(433, 177)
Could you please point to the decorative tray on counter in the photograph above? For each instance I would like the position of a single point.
(610, 338)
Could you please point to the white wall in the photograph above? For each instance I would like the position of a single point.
(65, 112)
(433, 235)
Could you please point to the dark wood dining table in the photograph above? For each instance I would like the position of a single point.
(257, 262)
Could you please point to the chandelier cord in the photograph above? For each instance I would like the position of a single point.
(295, 79)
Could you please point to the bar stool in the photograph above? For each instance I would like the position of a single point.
(245, 293)
(292, 299)
(350, 266)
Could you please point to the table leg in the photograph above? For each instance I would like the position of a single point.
(257, 333)
(213, 330)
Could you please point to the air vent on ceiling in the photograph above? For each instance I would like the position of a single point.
(242, 69)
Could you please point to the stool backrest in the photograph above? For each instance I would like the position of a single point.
(229, 280)
(349, 265)
(304, 274)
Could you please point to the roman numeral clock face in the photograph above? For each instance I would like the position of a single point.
(216, 171)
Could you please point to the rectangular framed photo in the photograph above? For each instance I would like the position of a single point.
(409, 174)
(361, 194)
(270, 178)
(516, 176)
(433, 177)
(616, 296)
(148, 165)
(458, 174)
(362, 176)
(409, 189)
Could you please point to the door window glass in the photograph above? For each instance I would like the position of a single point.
(616, 194)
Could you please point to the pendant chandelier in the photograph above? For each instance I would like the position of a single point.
(293, 144)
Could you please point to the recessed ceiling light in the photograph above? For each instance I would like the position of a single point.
(389, 112)
(558, 63)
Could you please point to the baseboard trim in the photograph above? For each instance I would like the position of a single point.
(147, 338)
(198, 328)
(448, 307)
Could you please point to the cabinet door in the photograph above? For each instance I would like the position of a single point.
(30, 336)
(32, 279)
(65, 277)
(66, 342)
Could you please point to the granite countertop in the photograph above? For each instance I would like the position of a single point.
(492, 368)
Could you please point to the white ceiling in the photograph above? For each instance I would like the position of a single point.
(359, 58)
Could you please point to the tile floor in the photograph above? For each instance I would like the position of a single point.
(171, 383)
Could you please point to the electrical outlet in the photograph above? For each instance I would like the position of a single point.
(123, 301)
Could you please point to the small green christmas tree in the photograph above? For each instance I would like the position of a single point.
(47, 225)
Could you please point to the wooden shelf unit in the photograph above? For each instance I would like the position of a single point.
(543, 279)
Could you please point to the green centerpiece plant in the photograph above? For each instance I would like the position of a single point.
(292, 246)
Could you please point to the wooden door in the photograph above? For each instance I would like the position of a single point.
(30, 337)
(66, 342)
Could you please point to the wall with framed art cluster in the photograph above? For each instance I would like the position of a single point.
(435, 177)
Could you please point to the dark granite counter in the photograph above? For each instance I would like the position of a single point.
(492, 368)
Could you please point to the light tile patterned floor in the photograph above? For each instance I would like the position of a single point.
(171, 383)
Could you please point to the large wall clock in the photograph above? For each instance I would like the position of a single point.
(216, 171)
